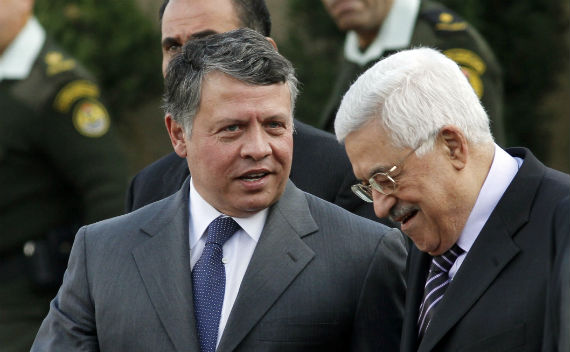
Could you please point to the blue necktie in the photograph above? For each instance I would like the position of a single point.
(209, 282)
(436, 284)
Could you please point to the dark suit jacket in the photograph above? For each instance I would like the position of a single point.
(496, 301)
(557, 327)
(320, 279)
(320, 167)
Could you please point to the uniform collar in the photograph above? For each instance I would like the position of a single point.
(17, 60)
(395, 33)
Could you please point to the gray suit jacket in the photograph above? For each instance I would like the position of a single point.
(320, 279)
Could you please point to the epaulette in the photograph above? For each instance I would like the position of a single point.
(56, 63)
(444, 20)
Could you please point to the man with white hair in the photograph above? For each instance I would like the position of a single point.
(480, 217)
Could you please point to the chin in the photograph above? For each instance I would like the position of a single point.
(257, 206)
(423, 246)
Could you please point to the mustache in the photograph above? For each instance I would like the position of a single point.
(399, 210)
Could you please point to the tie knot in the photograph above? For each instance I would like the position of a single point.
(445, 261)
(221, 229)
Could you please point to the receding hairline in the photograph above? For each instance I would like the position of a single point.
(234, 3)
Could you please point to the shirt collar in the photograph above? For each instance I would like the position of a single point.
(503, 170)
(17, 60)
(202, 214)
(395, 33)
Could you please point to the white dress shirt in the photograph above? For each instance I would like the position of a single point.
(238, 249)
(503, 170)
(395, 33)
(17, 60)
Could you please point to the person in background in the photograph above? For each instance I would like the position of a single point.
(480, 217)
(377, 28)
(239, 259)
(60, 167)
(320, 165)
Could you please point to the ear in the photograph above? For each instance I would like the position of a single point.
(272, 42)
(455, 146)
(177, 136)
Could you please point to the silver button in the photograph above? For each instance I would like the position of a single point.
(225, 260)
(29, 248)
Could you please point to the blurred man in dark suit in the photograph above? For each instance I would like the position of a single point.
(320, 165)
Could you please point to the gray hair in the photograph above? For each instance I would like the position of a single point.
(413, 94)
(242, 54)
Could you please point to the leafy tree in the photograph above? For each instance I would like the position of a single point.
(313, 45)
(530, 40)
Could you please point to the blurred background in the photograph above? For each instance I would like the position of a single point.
(119, 41)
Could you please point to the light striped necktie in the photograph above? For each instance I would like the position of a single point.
(436, 284)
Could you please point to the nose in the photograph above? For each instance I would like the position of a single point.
(382, 203)
(256, 145)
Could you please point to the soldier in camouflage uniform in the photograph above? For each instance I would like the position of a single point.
(377, 28)
(60, 167)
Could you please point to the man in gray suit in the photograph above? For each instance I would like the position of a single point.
(296, 274)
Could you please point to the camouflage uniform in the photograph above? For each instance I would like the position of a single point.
(60, 167)
(438, 27)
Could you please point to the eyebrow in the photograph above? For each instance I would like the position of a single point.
(168, 41)
(203, 34)
(378, 169)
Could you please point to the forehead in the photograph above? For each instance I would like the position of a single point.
(226, 96)
(370, 148)
(184, 18)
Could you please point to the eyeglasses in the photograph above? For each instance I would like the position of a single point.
(383, 182)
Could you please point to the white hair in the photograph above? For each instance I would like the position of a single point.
(413, 94)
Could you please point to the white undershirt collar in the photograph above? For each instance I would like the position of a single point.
(502, 172)
(395, 33)
(202, 214)
(18, 59)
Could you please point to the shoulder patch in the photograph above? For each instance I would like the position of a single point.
(472, 66)
(444, 20)
(73, 91)
(91, 119)
(56, 63)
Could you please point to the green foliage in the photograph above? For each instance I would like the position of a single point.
(313, 45)
(530, 40)
(113, 40)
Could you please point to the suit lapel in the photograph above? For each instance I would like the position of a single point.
(164, 265)
(491, 252)
(278, 258)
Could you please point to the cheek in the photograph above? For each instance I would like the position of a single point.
(283, 149)
(210, 159)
